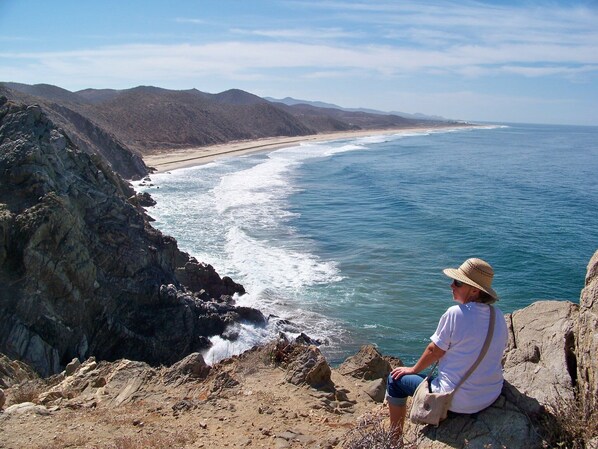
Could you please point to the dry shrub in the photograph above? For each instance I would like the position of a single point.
(370, 433)
(153, 441)
(571, 423)
(27, 391)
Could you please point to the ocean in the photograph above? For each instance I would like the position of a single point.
(346, 239)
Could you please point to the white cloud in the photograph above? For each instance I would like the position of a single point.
(236, 58)
(191, 21)
(471, 21)
(303, 34)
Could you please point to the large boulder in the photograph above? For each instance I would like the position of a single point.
(587, 338)
(540, 360)
(308, 367)
(367, 364)
(191, 367)
(503, 424)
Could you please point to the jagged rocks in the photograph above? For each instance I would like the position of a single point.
(202, 278)
(142, 199)
(587, 340)
(191, 367)
(13, 372)
(308, 366)
(367, 364)
(82, 269)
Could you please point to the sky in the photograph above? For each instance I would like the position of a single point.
(496, 61)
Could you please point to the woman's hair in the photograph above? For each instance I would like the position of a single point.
(485, 298)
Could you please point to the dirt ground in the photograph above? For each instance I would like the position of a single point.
(245, 401)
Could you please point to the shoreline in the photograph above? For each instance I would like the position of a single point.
(167, 160)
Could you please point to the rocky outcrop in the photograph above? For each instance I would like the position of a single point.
(367, 364)
(540, 360)
(191, 367)
(83, 272)
(308, 367)
(587, 339)
(14, 371)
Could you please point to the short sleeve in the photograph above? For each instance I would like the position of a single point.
(444, 331)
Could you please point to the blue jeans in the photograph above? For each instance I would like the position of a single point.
(398, 390)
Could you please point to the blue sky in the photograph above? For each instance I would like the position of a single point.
(534, 62)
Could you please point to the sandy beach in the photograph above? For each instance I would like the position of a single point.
(174, 159)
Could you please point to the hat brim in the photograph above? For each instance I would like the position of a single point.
(458, 275)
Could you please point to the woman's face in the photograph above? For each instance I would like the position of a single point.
(463, 293)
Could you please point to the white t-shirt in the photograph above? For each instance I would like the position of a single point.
(461, 333)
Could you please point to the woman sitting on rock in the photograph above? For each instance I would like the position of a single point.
(456, 345)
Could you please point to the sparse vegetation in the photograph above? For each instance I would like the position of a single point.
(371, 433)
(154, 441)
(27, 391)
(572, 423)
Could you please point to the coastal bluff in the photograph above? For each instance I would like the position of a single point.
(113, 316)
(284, 395)
(83, 272)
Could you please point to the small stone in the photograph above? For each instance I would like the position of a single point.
(72, 367)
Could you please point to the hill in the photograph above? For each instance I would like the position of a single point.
(145, 119)
(289, 101)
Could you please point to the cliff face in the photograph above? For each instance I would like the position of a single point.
(587, 340)
(61, 106)
(82, 271)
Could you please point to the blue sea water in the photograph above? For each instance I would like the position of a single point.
(347, 239)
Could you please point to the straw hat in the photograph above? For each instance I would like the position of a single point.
(475, 272)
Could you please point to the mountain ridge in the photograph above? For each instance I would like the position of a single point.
(124, 125)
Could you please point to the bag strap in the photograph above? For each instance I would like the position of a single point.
(482, 352)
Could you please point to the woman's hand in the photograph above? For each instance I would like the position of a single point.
(401, 371)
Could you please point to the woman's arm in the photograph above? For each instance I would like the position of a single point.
(430, 355)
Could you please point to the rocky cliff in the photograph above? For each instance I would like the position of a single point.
(82, 271)
(62, 107)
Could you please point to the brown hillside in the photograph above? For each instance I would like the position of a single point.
(147, 120)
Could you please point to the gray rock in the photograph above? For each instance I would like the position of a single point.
(309, 367)
(539, 358)
(367, 364)
(2, 398)
(27, 407)
(376, 389)
(500, 425)
(192, 366)
(72, 367)
(587, 341)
